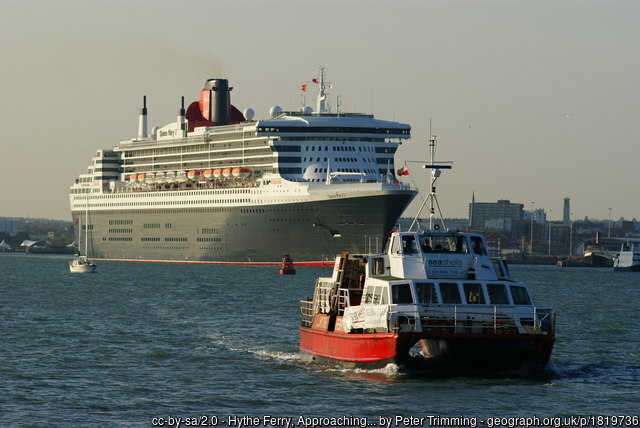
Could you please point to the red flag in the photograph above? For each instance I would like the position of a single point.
(304, 87)
(403, 171)
(314, 80)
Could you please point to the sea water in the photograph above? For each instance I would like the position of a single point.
(136, 344)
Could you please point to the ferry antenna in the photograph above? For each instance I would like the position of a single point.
(435, 167)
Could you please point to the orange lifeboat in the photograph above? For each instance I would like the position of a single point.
(241, 172)
(226, 172)
(208, 174)
(141, 177)
(217, 173)
(133, 177)
(193, 175)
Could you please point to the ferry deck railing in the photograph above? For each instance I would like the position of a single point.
(491, 319)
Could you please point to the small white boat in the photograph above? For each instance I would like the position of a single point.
(81, 264)
(628, 260)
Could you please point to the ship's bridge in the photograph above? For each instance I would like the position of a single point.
(437, 254)
(320, 147)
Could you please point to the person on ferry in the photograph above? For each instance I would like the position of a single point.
(426, 248)
(409, 245)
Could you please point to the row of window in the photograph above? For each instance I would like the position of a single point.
(450, 293)
(120, 230)
(119, 222)
(209, 231)
(341, 130)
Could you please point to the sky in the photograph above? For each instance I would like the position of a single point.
(533, 101)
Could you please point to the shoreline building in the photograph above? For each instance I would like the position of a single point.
(566, 213)
(495, 215)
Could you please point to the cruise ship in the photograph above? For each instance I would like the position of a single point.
(217, 186)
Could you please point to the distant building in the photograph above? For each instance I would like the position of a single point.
(566, 213)
(482, 212)
(9, 226)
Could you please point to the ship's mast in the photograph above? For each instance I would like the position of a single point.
(322, 97)
(436, 167)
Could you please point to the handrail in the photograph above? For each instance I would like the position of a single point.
(497, 320)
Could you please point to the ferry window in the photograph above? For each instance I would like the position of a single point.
(426, 292)
(473, 293)
(377, 266)
(384, 298)
(401, 293)
(377, 293)
(409, 245)
(449, 293)
(520, 295)
(395, 246)
(478, 246)
(497, 294)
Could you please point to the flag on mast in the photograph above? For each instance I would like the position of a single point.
(403, 171)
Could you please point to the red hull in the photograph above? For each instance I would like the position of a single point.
(354, 350)
(486, 352)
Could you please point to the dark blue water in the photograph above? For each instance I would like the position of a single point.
(139, 341)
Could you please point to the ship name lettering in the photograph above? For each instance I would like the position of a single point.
(445, 262)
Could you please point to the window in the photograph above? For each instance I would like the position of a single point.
(377, 266)
(426, 292)
(449, 293)
(395, 246)
(409, 245)
(473, 294)
(497, 294)
(478, 246)
(401, 293)
(520, 295)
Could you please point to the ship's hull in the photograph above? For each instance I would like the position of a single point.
(484, 353)
(325, 342)
(354, 350)
(308, 231)
(490, 353)
(632, 268)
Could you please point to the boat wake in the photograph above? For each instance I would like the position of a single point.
(220, 342)
(600, 372)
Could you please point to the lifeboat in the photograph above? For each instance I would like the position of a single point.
(160, 177)
(193, 175)
(140, 178)
(217, 173)
(150, 177)
(170, 176)
(241, 172)
(226, 172)
(133, 177)
(208, 174)
(181, 176)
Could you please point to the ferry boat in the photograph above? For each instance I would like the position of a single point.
(629, 257)
(438, 287)
(217, 186)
